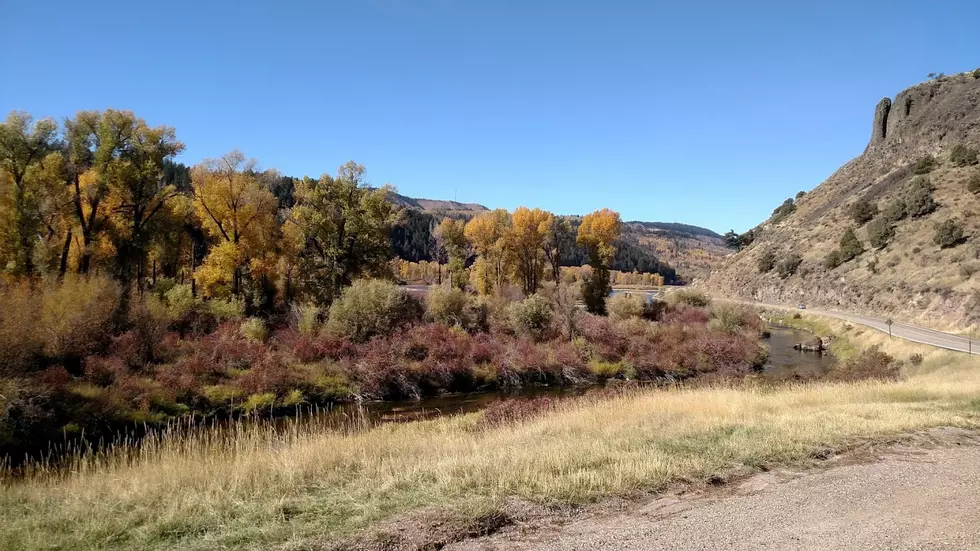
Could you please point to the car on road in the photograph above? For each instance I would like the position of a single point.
(801, 306)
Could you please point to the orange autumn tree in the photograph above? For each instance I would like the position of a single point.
(598, 234)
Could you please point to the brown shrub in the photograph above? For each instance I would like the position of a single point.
(872, 363)
(505, 412)
(76, 317)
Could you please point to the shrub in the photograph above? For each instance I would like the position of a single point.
(532, 316)
(226, 309)
(963, 156)
(918, 199)
(915, 359)
(372, 307)
(880, 232)
(872, 363)
(254, 330)
(862, 211)
(731, 318)
(948, 234)
(895, 211)
(447, 306)
(850, 246)
(976, 74)
(256, 403)
(605, 370)
(973, 184)
(924, 165)
(307, 317)
(832, 260)
(625, 306)
(564, 299)
(767, 261)
(689, 297)
(789, 265)
(180, 301)
(782, 211)
(20, 341)
(76, 317)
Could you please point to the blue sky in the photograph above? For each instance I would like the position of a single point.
(709, 113)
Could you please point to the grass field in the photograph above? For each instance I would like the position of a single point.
(302, 488)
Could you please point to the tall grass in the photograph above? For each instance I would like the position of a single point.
(253, 487)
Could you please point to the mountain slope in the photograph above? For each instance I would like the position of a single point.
(911, 277)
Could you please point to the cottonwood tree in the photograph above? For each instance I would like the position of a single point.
(598, 234)
(131, 156)
(488, 232)
(526, 243)
(29, 184)
(343, 229)
(559, 240)
(452, 233)
(238, 214)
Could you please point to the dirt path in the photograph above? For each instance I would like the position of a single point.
(909, 499)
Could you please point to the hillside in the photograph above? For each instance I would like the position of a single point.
(679, 252)
(913, 176)
(437, 205)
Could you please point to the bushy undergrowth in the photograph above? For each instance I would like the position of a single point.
(81, 364)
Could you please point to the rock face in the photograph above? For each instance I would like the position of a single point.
(880, 128)
(912, 277)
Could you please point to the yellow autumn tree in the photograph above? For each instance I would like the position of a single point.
(598, 234)
(238, 214)
(526, 244)
(487, 232)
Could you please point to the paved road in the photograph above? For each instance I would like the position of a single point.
(906, 331)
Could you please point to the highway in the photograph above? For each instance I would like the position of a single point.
(905, 331)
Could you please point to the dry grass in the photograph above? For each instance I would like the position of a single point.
(256, 488)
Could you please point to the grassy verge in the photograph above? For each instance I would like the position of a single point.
(254, 489)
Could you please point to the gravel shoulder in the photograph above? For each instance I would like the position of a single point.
(923, 494)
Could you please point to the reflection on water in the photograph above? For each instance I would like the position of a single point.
(786, 362)
(385, 412)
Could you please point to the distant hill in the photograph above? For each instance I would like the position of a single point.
(436, 205)
(679, 252)
(912, 179)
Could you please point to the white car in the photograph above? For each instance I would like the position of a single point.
(801, 306)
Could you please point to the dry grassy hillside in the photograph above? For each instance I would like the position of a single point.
(911, 277)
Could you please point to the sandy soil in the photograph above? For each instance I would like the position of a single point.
(920, 495)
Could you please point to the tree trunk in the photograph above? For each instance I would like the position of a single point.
(63, 266)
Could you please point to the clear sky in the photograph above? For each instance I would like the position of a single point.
(709, 112)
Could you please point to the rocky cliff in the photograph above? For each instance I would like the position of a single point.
(924, 139)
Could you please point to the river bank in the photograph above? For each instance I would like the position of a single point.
(256, 489)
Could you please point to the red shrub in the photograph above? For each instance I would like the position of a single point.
(688, 316)
(604, 337)
(485, 348)
(269, 374)
(102, 370)
(54, 377)
(313, 348)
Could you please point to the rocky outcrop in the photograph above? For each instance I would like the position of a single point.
(911, 278)
(879, 129)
